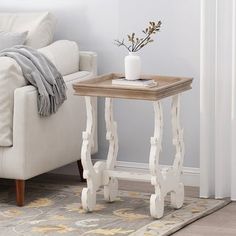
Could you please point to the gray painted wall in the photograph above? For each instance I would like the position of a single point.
(176, 51)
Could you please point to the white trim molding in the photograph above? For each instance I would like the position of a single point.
(190, 177)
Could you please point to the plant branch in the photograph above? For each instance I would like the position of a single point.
(136, 47)
(137, 43)
(119, 44)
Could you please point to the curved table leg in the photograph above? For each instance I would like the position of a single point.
(177, 195)
(168, 179)
(157, 199)
(93, 174)
(110, 183)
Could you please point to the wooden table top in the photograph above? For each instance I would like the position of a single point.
(101, 86)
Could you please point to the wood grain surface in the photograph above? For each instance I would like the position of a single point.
(101, 86)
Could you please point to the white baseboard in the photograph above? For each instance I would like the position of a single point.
(191, 176)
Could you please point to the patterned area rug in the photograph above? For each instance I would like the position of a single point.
(55, 209)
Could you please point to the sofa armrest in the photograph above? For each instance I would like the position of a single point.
(88, 61)
(45, 143)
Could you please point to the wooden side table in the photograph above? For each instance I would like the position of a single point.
(103, 173)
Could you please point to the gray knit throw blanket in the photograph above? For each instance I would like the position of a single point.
(42, 74)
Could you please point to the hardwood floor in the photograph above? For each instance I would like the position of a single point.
(220, 223)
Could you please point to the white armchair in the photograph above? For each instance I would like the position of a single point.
(41, 144)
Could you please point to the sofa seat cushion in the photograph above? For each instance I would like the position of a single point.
(40, 26)
(79, 75)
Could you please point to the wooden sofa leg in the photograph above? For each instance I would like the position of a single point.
(20, 192)
(81, 170)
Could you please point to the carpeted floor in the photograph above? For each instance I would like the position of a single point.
(53, 208)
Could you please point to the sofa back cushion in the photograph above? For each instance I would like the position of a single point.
(10, 39)
(40, 26)
(64, 54)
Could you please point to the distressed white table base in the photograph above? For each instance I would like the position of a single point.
(103, 172)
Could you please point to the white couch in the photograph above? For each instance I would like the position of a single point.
(38, 144)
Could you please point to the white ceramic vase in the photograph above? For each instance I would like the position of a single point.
(132, 66)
